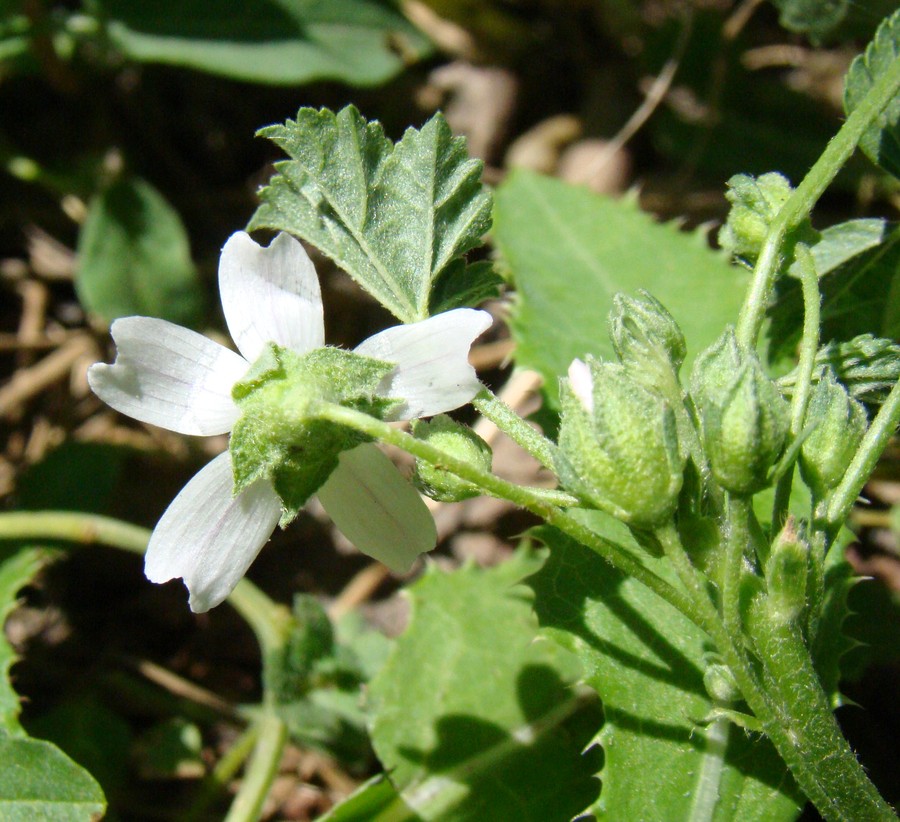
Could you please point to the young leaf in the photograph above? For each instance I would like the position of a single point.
(394, 217)
(881, 142)
(814, 18)
(285, 42)
(570, 251)
(473, 719)
(647, 663)
(134, 257)
(858, 264)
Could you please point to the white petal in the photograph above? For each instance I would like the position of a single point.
(169, 376)
(209, 537)
(377, 509)
(582, 384)
(270, 295)
(433, 374)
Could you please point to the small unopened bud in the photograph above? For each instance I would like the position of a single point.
(618, 444)
(744, 418)
(457, 441)
(644, 333)
(720, 683)
(754, 204)
(840, 423)
(786, 573)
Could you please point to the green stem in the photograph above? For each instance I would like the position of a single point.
(510, 423)
(519, 495)
(805, 196)
(863, 463)
(213, 786)
(809, 345)
(268, 620)
(839, 786)
(738, 541)
(261, 771)
(831, 779)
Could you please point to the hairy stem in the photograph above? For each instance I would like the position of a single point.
(736, 546)
(510, 423)
(805, 196)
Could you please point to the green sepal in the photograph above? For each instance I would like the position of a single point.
(623, 455)
(277, 437)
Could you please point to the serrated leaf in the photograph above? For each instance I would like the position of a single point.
(18, 566)
(831, 642)
(881, 142)
(570, 251)
(471, 718)
(646, 662)
(134, 257)
(858, 264)
(285, 42)
(394, 217)
(38, 781)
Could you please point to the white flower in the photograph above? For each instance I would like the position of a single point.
(178, 379)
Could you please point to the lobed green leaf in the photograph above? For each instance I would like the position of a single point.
(396, 218)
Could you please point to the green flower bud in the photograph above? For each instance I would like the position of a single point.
(643, 332)
(720, 683)
(458, 441)
(840, 423)
(618, 444)
(754, 204)
(786, 573)
(744, 418)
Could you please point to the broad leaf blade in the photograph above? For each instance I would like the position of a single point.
(471, 717)
(395, 218)
(284, 42)
(38, 781)
(646, 662)
(134, 257)
(881, 142)
(569, 251)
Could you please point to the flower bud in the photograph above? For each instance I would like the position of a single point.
(840, 423)
(720, 683)
(618, 444)
(754, 204)
(786, 572)
(744, 418)
(643, 332)
(458, 441)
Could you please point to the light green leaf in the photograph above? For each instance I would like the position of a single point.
(881, 142)
(569, 251)
(134, 257)
(646, 662)
(395, 218)
(374, 801)
(471, 717)
(286, 42)
(18, 566)
(38, 781)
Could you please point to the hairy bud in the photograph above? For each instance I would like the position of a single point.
(644, 333)
(618, 444)
(786, 573)
(458, 441)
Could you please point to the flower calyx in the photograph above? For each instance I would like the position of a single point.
(619, 444)
(278, 436)
(458, 441)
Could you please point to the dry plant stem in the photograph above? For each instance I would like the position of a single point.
(805, 196)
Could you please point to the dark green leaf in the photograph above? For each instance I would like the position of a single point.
(134, 257)
(570, 251)
(471, 717)
(881, 142)
(288, 42)
(646, 662)
(395, 218)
